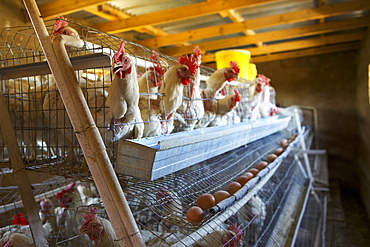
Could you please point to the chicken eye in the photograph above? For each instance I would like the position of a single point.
(94, 225)
(185, 69)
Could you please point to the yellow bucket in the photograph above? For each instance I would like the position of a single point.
(242, 57)
(252, 72)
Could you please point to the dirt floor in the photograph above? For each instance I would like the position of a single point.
(347, 224)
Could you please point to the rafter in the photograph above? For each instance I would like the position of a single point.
(64, 7)
(175, 14)
(307, 52)
(269, 21)
(272, 36)
(296, 45)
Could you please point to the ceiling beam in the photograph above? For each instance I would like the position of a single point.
(64, 7)
(112, 14)
(307, 52)
(271, 36)
(176, 14)
(296, 45)
(269, 21)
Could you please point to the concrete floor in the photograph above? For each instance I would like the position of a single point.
(348, 225)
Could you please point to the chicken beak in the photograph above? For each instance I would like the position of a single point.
(117, 68)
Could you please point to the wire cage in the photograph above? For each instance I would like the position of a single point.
(265, 203)
(48, 144)
(43, 129)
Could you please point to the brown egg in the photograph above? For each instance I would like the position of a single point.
(233, 187)
(284, 142)
(244, 179)
(248, 174)
(271, 157)
(279, 151)
(206, 201)
(221, 195)
(254, 171)
(262, 165)
(195, 215)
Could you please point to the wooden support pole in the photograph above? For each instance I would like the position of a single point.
(87, 133)
(21, 176)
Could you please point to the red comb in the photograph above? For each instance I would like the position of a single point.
(89, 215)
(190, 62)
(120, 52)
(197, 54)
(265, 79)
(70, 188)
(157, 65)
(235, 228)
(19, 219)
(59, 23)
(235, 66)
(237, 96)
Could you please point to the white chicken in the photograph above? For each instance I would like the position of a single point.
(192, 108)
(255, 97)
(267, 107)
(99, 230)
(231, 237)
(254, 214)
(16, 240)
(158, 114)
(88, 193)
(123, 98)
(61, 28)
(19, 234)
(172, 210)
(220, 78)
(215, 84)
(152, 79)
(221, 107)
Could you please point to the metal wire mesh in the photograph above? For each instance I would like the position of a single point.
(44, 132)
(312, 228)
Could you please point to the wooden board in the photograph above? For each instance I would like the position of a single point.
(155, 157)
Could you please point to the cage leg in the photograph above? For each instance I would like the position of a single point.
(21, 176)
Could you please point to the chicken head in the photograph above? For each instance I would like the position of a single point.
(232, 72)
(122, 62)
(187, 72)
(156, 77)
(234, 236)
(61, 27)
(91, 225)
(233, 101)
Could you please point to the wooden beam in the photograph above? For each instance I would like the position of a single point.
(307, 52)
(269, 21)
(112, 14)
(296, 45)
(176, 14)
(64, 7)
(272, 36)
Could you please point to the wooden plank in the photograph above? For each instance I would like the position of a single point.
(21, 176)
(52, 9)
(271, 36)
(262, 22)
(176, 14)
(307, 52)
(296, 45)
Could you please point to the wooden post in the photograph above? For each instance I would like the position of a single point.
(21, 176)
(87, 133)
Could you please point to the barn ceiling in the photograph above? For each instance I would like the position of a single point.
(269, 29)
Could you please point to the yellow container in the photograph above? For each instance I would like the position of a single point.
(242, 57)
(252, 72)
